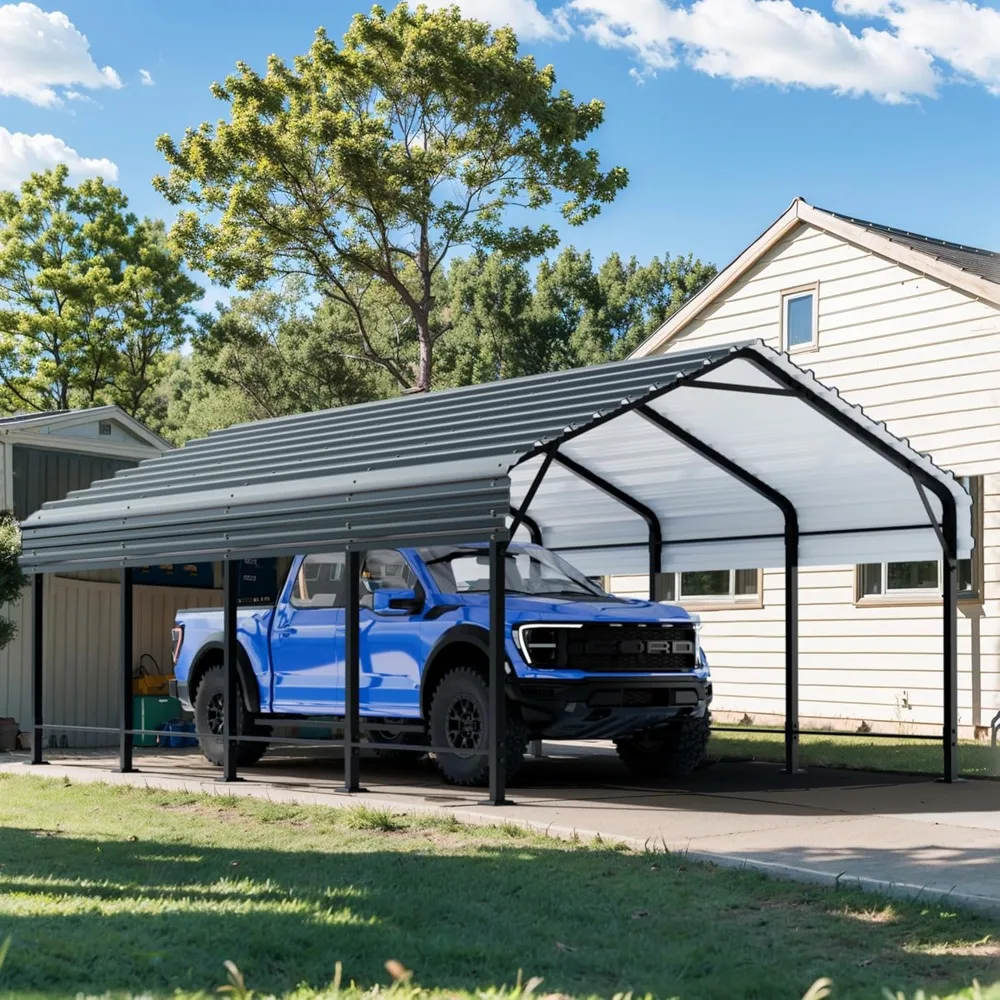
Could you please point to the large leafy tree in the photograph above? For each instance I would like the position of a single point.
(285, 356)
(362, 167)
(91, 298)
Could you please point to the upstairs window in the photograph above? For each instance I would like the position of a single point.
(799, 319)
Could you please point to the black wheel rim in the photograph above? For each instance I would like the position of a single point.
(215, 714)
(465, 725)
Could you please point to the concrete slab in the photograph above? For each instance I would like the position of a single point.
(893, 834)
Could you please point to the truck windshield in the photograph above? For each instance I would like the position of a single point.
(529, 570)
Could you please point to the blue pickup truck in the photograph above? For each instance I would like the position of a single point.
(581, 664)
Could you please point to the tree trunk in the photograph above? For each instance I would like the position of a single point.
(426, 347)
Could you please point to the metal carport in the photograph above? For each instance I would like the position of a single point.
(692, 460)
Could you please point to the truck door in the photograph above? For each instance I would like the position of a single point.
(391, 646)
(307, 639)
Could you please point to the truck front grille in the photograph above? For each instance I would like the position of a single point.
(604, 647)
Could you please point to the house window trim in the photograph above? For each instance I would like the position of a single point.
(747, 602)
(917, 598)
(787, 295)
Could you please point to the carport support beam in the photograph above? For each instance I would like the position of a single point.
(950, 640)
(352, 673)
(655, 543)
(230, 650)
(498, 659)
(790, 515)
(37, 658)
(126, 716)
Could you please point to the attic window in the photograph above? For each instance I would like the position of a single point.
(104, 428)
(799, 319)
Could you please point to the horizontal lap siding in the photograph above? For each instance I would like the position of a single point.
(925, 358)
(82, 620)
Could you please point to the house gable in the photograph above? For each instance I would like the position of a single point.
(916, 351)
(103, 430)
(865, 238)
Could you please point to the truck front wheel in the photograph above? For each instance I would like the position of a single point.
(670, 751)
(209, 708)
(460, 719)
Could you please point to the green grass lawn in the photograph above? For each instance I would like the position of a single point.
(857, 752)
(122, 890)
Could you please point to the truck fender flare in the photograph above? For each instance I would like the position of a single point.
(464, 634)
(248, 681)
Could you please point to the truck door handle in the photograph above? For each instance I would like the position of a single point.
(283, 632)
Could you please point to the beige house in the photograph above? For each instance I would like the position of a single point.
(907, 327)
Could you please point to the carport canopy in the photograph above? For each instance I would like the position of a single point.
(720, 458)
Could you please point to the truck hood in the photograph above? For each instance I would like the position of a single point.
(525, 608)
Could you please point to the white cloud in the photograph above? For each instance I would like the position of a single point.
(524, 16)
(146, 78)
(42, 53)
(20, 154)
(962, 35)
(769, 41)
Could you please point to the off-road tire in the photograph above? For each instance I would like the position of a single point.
(671, 751)
(209, 701)
(463, 694)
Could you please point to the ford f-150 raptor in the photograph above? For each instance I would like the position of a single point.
(581, 664)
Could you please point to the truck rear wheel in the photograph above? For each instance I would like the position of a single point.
(460, 719)
(209, 708)
(671, 751)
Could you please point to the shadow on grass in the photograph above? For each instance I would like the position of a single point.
(91, 916)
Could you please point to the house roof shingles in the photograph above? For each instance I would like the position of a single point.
(984, 263)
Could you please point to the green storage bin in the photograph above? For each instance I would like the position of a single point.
(150, 712)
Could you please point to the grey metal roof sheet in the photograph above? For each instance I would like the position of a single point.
(985, 263)
(444, 466)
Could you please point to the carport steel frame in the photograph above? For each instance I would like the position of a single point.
(946, 532)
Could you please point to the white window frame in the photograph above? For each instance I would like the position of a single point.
(730, 600)
(789, 295)
(933, 595)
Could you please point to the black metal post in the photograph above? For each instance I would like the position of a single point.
(37, 658)
(230, 728)
(791, 647)
(655, 543)
(352, 673)
(791, 536)
(534, 530)
(950, 639)
(497, 728)
(126, 719)
(520, 512)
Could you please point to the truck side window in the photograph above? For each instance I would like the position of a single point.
(386, 569)
(319, 582)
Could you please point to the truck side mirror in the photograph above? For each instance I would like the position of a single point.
(396, 602)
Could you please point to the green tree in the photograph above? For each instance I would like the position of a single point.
(363, 167)
(12, 580)
(91, 298)
(285, 356)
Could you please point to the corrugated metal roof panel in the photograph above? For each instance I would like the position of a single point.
(437, 467)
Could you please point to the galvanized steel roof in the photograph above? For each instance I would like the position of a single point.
(445, 466)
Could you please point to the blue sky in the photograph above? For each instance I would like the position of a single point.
(722, 110)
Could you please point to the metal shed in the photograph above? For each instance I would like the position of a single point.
(694, 460)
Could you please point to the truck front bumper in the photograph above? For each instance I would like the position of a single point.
(607, 707)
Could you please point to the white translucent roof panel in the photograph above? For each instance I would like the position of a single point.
(850, 481)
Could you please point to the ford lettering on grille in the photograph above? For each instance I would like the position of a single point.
(600, 647)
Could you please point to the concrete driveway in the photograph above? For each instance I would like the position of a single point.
(887, 833)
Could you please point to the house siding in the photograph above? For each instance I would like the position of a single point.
(924, 358)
